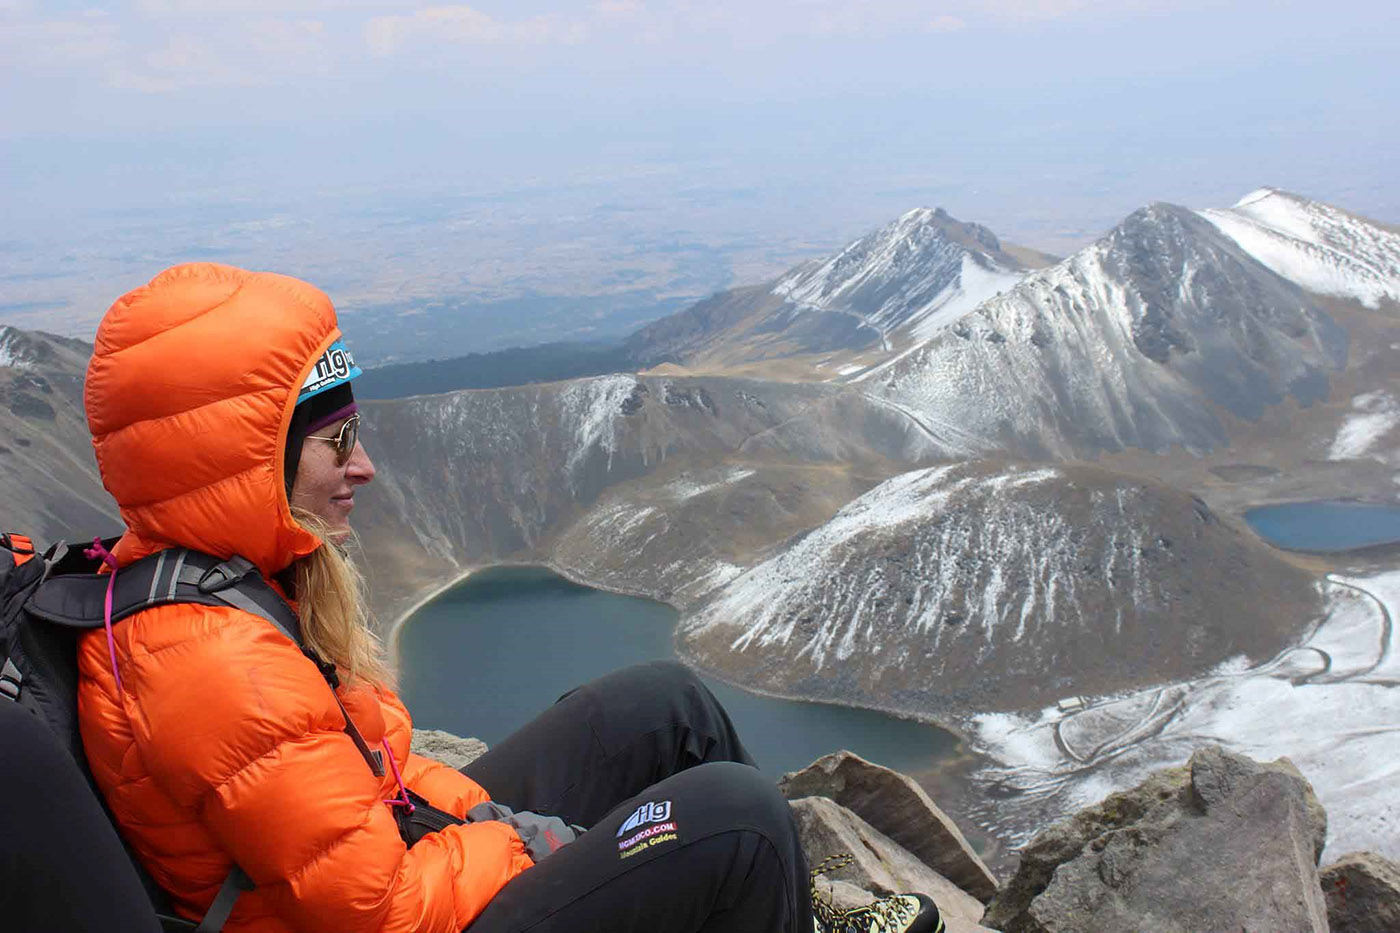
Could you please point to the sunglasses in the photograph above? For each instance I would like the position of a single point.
(344, 440)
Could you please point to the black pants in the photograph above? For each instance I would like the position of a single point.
(685, 834)
(62, 866)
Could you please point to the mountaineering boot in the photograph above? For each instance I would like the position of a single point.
(898, 913)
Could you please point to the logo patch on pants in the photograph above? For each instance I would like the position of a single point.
(649, 825)
(649, 812)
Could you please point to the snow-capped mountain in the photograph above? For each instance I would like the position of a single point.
(21, 349)
(1136, 341)
(983, 585)
(1319, 247)
(916, 275)
(897, 285)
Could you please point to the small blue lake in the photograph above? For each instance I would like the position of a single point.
(486, 656)
(1326, 526)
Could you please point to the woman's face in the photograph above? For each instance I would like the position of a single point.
(327, 489)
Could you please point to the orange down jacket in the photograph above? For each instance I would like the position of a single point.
(224, 744)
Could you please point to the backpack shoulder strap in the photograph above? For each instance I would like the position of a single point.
(75, 596)
(180, 575)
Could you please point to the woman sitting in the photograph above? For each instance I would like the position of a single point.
(223, 419)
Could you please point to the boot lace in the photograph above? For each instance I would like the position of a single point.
(886, 915)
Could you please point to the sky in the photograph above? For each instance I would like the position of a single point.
(811, 121)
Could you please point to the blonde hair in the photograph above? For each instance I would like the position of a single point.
(335, 618)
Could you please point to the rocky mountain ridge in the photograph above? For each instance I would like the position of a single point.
(986, 585)
(1145, 339)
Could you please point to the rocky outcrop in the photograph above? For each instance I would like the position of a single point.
(1363, 894)
(1224, 843)
(879, 866)
(452, 750)
(899, 808)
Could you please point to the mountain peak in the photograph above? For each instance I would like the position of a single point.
(28, 349)
(19, 349)
(970, 236)
(919, 273)
(1259, 194)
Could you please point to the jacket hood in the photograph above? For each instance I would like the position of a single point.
(189, 395)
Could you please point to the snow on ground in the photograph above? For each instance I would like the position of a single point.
(688, 488)
(1314, 245)
(1331, 705)
(1063, 333)
(593, 406)
(887, 364)
(619, 521)
(8, 336)
(1375, 414)
(760, 606)
(752, 597)
(975, 285)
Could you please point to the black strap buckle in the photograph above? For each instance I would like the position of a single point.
(326, 668)
(224, 575)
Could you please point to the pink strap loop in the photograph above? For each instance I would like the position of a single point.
(401, 800)
(98, 550)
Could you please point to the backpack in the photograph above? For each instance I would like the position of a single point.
(48, 600)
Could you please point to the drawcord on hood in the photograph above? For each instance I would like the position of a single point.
(401, 800)
(93, 553)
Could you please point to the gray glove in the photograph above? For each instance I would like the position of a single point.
(542, 835)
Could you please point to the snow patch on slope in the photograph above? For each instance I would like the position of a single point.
(1314, 245)
(1375, 415)
(685, 488)
(974, 285)
(11, 352)
(593, 407)
(1331, 704)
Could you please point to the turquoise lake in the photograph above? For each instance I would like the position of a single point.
(1328, 526)
(487, 655)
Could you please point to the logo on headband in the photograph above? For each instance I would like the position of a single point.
(335, 366)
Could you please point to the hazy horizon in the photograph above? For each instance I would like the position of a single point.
(644, 153)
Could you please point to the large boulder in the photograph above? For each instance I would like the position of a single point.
(1363, 894)
(1225, 843)
(898, 807)
(452, 750)
(878, 867)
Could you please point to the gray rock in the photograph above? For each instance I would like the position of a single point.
(898, 807)
(1363, 894)
(1225, 843)
(1216, 775)
(452, 750)
(879, 865)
